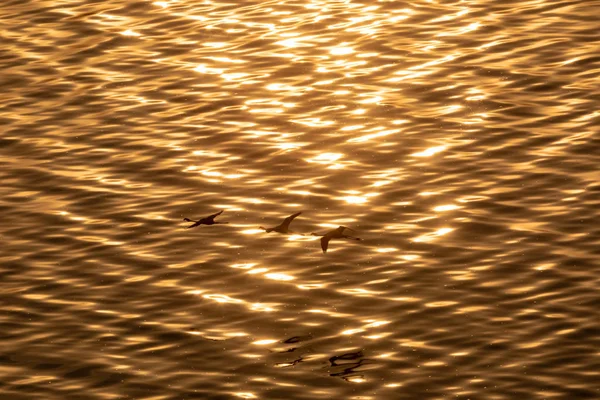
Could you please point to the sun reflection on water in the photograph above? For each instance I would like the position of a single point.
(458, 139)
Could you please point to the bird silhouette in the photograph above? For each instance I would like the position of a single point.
(284, 226)
(210, 220)
(337, 233)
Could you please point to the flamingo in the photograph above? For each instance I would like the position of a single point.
(337, 233)
(284, 226)
(210, 220)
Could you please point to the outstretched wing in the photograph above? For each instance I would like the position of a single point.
(286, 222)
(324, 243)
(346, 228)
(188, 220)
(213, 216)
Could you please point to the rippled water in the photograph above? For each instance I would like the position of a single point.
(459, 139)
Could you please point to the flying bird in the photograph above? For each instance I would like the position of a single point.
(337, 233)
(284, 227)
(210, 220)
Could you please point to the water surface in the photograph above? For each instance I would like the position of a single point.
(459, 139)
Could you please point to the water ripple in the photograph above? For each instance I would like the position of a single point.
(458, 139)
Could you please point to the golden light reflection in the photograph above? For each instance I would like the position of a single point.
(264, 342)
(314, 122)
(216, 45)
(279, 277)
(450, 109)
(227, 60)
(252, 231)
(311, 286)
(461, 31)
(434, 364)
(301, 238)
(377, 323)
(446, 207)
(351, 127)
(293, 43)
(354, 199)
(245, 395)
(413, 343)
(386, 249)
(381, 183)
(358, 292)
(235, 334)
(428, 237)
(221, 298)
(436, 304)
(430, 151)
(351, 331)
(356, 379)
(543, 267)
(130, 32)
(255, 271)
(371, 136)
(325, 158)
(341, 51)
(243, 265)
(202, 68)
(406, 299)
(329, 313)
(345, 109)
(263, 307)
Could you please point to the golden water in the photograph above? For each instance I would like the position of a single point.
(459, 139)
